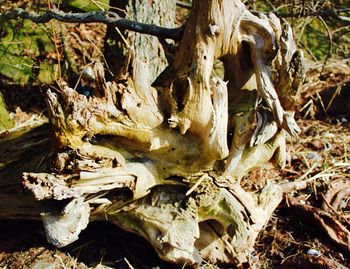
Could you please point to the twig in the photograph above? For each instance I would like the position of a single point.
(340, 216)
(334, 95)
(307, 172)
(328, 13)
(300, 184)
(330, 43)
(200, 180)
(321, 103)
(55, 42)
(128, 263)
(109, 18)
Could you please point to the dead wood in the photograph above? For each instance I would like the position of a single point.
(164, 161)
(22, 148)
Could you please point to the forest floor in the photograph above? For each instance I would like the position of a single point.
(309, 229)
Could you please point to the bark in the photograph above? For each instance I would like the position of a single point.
(138, 56)
(165, 160)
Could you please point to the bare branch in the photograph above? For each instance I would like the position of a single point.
(325, 13)
(109, 18)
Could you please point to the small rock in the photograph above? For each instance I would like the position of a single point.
(314, 156)
(313, 252)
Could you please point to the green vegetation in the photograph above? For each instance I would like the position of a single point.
(318, 30)
(87, 5)
(24, 51)
(5, 120)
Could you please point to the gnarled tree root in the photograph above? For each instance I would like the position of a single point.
(164, 161)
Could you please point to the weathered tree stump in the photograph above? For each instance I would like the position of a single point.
(165, 160)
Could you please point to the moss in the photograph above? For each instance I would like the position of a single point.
(5, 120)
(23, 48)
(129, 222)
(87, 5)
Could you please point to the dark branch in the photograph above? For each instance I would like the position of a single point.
(109, 18)
(183, 5)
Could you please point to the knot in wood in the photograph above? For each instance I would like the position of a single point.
(213, 30)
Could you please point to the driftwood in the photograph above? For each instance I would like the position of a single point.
(165, 161)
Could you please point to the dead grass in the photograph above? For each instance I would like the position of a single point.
(317, 158)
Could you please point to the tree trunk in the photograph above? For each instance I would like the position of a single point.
(130, 54)
(165, 161)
